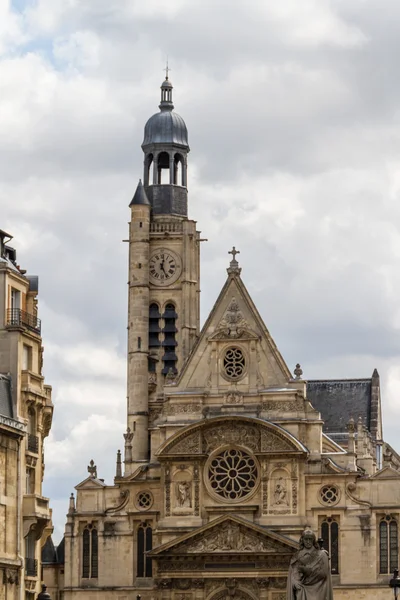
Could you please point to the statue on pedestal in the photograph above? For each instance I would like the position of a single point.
(309, 575)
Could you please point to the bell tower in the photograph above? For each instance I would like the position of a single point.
(164, 274)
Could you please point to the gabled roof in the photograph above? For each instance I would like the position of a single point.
(90, 483)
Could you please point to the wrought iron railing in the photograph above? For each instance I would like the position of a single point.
(31, 567)
(33, 443)
(19, 318)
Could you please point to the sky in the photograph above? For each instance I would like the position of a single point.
(293, 115)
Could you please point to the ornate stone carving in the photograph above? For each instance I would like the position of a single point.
(230, 537)
(263, 582)
(190, 444)
(233, 398)
(164, 584)
(154, 414)
(10, 576)
(167, 490)
(180, 409)
(196, 480)
(278, 406)
(278, 583)
(182, 583)
(152, 382)
(233, 324)
(274, 442)
(183, 492)
(232, 433)
(92, 469)
(198, 584)
(280, 492)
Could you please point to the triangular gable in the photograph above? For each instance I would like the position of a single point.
(226, 535)
(90, 483)
(387, 473)
(234, 317)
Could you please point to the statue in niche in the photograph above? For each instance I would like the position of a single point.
(280, 492)
(183, 494)
(309, 576)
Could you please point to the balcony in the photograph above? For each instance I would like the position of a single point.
(35, 511)
(19, 318)
(33, 443)
(31, 567)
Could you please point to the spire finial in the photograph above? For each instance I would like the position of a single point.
(92, 469)
(234, 265)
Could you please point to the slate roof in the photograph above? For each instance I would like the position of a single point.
(340, 399)
(52, 555)
(140, 196)
(6, 408)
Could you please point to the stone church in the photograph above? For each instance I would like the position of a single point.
(228, 454)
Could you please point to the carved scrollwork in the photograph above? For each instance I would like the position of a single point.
(188, 445)
(232, 433)
(274, 442)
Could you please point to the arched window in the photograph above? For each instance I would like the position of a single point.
(154, 327)
(330, 535)
(90, 554)
(149, 172)
(169, 344)
(178, 170)
(163, 175)
(388, 545)
(144, 545)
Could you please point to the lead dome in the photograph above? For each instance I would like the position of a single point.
(166, 127)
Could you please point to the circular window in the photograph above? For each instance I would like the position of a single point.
(329, 494)
(232, 474)
(234, 363)
(144, 500)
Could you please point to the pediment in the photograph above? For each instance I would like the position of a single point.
(234, 320)
(257, 435)
(387, 472)
(90, 483)
(227, 535)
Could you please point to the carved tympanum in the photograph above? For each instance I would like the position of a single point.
(231, 537)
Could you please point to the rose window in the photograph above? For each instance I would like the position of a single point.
(232, 474)
(329, 494)
(144, 500)
(234, 363)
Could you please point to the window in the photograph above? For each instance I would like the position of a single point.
(90, 555)
(154, 326)
(330, 535)
(234, 363)
(388, 545)
(15, 299)
(169, 330)
(144, 544)
(30, 560)
(233, 474)
(26, 358)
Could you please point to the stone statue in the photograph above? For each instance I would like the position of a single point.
(309, 576)
(280, 493)
(183, 494)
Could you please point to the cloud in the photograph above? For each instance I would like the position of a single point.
(293, 119)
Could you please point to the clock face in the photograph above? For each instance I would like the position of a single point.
(165, 267)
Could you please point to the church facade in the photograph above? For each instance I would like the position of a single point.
(228, 454)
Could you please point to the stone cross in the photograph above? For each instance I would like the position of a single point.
(234, 252)
(92, 469)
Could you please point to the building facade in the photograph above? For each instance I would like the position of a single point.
(25, 420)
(228, 455)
